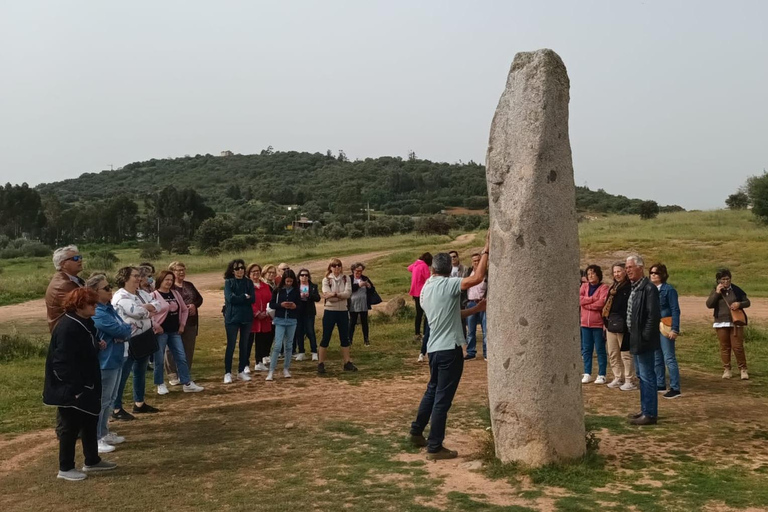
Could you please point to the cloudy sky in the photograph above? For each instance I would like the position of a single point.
(669, 99)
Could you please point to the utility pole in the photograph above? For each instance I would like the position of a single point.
(368, 209)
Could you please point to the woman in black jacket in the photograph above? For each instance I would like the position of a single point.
(308, 295)
(73, 383)
(360, 301)
(285, 302)
(615, 318)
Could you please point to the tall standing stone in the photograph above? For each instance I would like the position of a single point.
(534, 385)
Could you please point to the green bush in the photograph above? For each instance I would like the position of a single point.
(102, 259)
(23, 248)
(149, 251)
(16, 346)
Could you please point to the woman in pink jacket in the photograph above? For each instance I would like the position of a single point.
(592, 297)
(420, 272)
(168, 326)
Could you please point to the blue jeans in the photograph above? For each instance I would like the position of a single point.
(305, 326)
(110, 381)
(173, 341)
(445, 369)
(592, 339)
(472, 321)
(245, 334)
(285, 328)
(649, 398)
(666, 356)
(139, 369)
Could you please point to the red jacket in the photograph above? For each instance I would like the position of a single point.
(592, 307)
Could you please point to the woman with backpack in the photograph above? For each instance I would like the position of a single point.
(337, 288)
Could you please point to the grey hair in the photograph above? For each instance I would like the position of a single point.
(357, 265)
(145, 271)
(637, 259)
(441, 263)
(94, 281)
(60, 255)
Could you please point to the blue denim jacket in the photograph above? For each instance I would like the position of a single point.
(110, 327)
(669, 305)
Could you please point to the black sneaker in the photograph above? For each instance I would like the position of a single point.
(468, 357)
(634, 415)
(367, 343)
(672, 393)
(145, 408)
(349, 367)
(123, 415)
(418, 440)
(321, 368)
(661, 389)
(443, 454)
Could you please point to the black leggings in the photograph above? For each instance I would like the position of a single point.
(419, 316)
(262, 341)
(353, 322)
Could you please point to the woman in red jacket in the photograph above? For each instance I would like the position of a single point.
(592, 297)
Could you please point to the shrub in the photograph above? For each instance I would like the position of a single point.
(149, 251)
(649, 210)
(16, 346)
(214, 231)
(737, 201)
(233, 245)
(212, 251)
(180, 245)
(103, 259)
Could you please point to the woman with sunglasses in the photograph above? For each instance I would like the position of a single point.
(261, 329)
(113, 334)
(238, 316)
(337, 288)
(309, 294)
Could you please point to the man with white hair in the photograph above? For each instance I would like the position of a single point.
(68, 263)
(643, 317)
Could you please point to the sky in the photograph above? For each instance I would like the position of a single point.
(669, 99)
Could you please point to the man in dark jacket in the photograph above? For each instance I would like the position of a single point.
(643, 316)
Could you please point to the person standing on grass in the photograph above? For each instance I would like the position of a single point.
(169, 325)
(441, 299)
(419, 270)
(193, 300)
(474, 295)
(285, 302)
(615, 320)
(360, 302)
(727, 297)
(309, 295)
(337, 288)
(238, 316)
(669, 328)
(592, 297)
(136, 308)
(73, 383)
(113, 333)
(643, 317)
(261, 328)
(68, 264)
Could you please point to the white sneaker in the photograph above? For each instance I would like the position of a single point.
(260, 368)
(192, 387)
(600, 379)
(314, 356)
(727, 374)
(628, 386)
(173, 379)
(744, 375)
(105, 447)
(300, 357)
(286, 374)
(243, 376)
(586, 378)
(162, 390)
(265, 360)
(246, 370)
(227, 378)
(269, 377)
(615, 383)
(113, 438)
(72, 475)
(420, 359)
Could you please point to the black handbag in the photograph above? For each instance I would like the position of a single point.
(615, 324)
(142, 345)
(374, 298)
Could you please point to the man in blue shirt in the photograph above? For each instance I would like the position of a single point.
(441, 300)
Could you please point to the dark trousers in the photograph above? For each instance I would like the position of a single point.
(353, 322)
(232, 331)
(419, 316)
(445, 368)
(425, 338)
(305, 327)
(74, 422)
(333, 319)
(262, 343)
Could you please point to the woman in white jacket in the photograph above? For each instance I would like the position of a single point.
(136, 307)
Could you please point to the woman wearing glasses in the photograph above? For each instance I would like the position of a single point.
(308, 294)
(261, 329)
(337, 288)
(193, 301)
(238, 316)
(727, 297)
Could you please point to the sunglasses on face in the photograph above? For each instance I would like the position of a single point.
(334, 265)
(75, 258)
(239, 268)
(303, 275)
(107, 288)
(655, 274)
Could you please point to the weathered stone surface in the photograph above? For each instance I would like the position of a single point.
(534, 384)
(394, 306)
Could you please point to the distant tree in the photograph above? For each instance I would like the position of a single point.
(649, 210)
(233, 192)
(757, 190)
(342, 156)
(737, 201)
(214, 231)
(149, 251)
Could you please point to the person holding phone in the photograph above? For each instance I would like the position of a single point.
(726, 298)
(285, 302)
(309, 295)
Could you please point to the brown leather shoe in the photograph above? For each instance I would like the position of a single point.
(643, 420)
(443, 454)
(634, 415)
(419, 441)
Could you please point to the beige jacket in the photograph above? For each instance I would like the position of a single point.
(341, 285)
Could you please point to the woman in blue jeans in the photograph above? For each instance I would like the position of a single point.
(592, 297)
(285, 302)
(238, 317)
(169, 326)
(669, 330)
